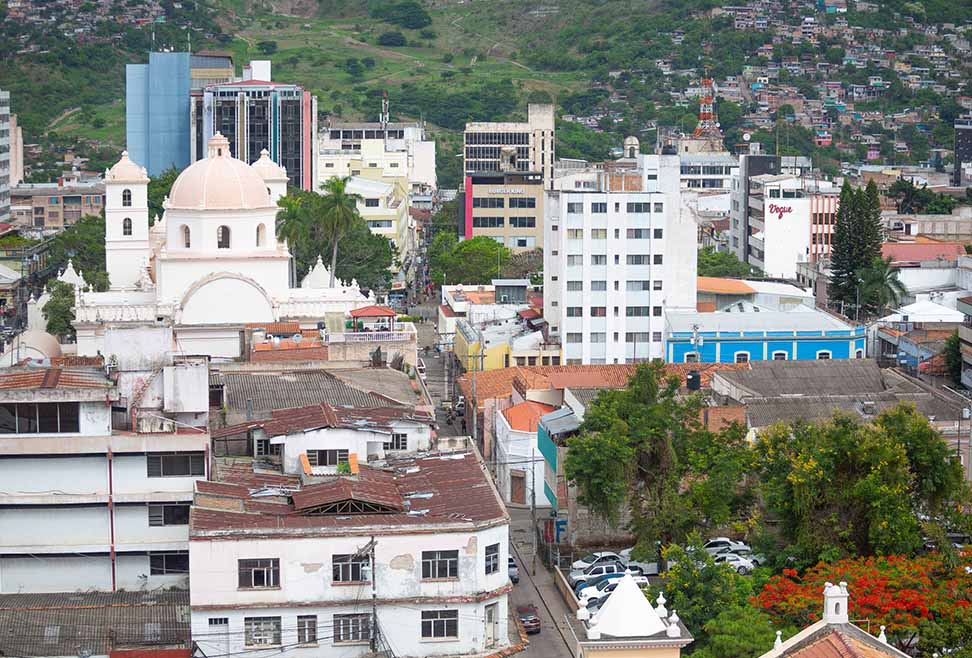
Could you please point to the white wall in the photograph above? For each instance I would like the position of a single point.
(361, 442)
(786, 240)
(514, 450)
(63, 527)
(36, 573)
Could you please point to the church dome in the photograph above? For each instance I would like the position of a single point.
(126, 171)
(269, 170)
(219, 182)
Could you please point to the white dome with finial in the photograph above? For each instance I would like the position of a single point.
(126, 171)
(269, 170)
(219, 182)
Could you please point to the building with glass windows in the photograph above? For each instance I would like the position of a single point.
(157, 111)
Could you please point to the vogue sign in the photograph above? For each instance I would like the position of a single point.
(779, 211)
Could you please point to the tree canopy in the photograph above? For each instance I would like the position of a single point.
(58, 311)
(856, 241)
(83, 243)
(477, 260)
(722, 264)
(159, 188)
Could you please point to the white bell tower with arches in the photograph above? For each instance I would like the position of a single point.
(126, 223)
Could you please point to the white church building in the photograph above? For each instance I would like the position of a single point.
(210, 265)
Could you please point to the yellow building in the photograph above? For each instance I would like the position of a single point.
(502, 344)
(507, 207)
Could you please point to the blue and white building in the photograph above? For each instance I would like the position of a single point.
(157, 112)
(761, 336)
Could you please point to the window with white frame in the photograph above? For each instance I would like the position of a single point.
(742, 357)
(261, 631)
(691, 357)
(346, 568)
(263, 448)
(440, 564)
(175, 464)
(169, 564)
(575, 286)
(780, 355)
(259, 574)
(492, 558)
(397, 442)
(352, 628)
(307, 629)
(575, 337)
(575, 207)
(859, 354)
(327, 457)
(440, 624)
(168, 514)
(824, 355)
(598, 286)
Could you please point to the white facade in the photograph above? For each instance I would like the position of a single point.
(384, 207)
(210, 265)
(8, 137)
(518, 451)
(615, 263)
(396, 150)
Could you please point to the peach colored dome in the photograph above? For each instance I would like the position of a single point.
(269, 170)
(219, 182)
(126, 171)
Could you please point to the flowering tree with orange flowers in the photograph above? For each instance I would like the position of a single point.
(919, 600)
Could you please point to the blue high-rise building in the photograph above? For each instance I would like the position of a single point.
(157, 112)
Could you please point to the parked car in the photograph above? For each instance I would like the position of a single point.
(597, 572)
(717, 545)
(596, 558)
(756, 558)
(585, 584)
(514, 571)
(647, 568)
(595, 602)
(460, 407)
(606, 587)
(527, 614)
(740, 565)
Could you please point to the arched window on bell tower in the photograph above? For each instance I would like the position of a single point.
(127, 225)
(223, 237)
(126, 198)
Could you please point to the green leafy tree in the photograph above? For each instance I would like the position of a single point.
(84, 244)
(267, 47)
(880, 286)
(739, 630)
(475, 261)
(339, 211)
(393, 39)
(59, 309)
(953, 358)
(870, 225)
(159, 188)
(643, 449)
(856, 242)
(721, 264)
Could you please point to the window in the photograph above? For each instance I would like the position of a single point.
(352, 628)
(258, 574)
(575, 311)
(598, 259)
(780, 356)
(598, 207)
(638, 311)
(598, 234)
(175, 514)
(598, 286)
(637, 286)
(223, 237)
(327, 457)
(638, 233)
(307, 629)
(168, 564)
(823, 355)
(261, 631)
(127, 226)
(186, 237)
(656, 285)
(638, 259)
(40, 417)
(691, 357)
(656, 311)
(598, 337)
(859, 354)
(575, 207)
(488, 202)
(440, 564)
(656, 336)
(221, 624)
(599, 311)
(261, 235)
(398, 442)
(345, 568)
(575, 259)
(523, 203)
(175, 464)
(488, 222)
(371, 203)
(492, 558)
(657, 260)
(659, 207)
(657, 233)
(575, 286)
(575, 337)
(575, 234)
(523, 222)
(639, 207)
(126, 198)
(636, 337)
(742, 357)
(440, 623)
(263, 448)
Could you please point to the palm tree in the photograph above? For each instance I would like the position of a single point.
(880, 285)
(292, 224)
(339, 210)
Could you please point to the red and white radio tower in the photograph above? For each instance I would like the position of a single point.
(708, 123)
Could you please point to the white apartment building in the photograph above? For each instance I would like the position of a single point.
(378, 151)
(411, 558)
(615, 262)
(708, 171)
(8, 135)
(87, 503)
(384, 207)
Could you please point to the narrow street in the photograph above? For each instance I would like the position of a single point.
(555, 639)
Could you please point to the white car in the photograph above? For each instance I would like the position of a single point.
(739, 564)
(717, 545)
(756, 558)
(647, 568)
(595, 558)
(606, 587)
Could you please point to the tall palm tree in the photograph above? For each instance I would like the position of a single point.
(880, 285)
(339, 210)
(292, 224)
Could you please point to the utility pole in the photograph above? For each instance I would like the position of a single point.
(369, 550)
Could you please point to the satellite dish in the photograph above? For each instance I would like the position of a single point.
(297, 338)
(747, 137)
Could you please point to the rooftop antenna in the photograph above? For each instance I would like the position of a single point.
(383, 118)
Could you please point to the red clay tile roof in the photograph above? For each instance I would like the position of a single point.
(440, 489)
(838, 645)
(33, 378)
(370, 486)
(524, 417)
(276, 328)
(73, 361)
(298, 419)
(373, 312)
(529, 314)
(921, 251)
